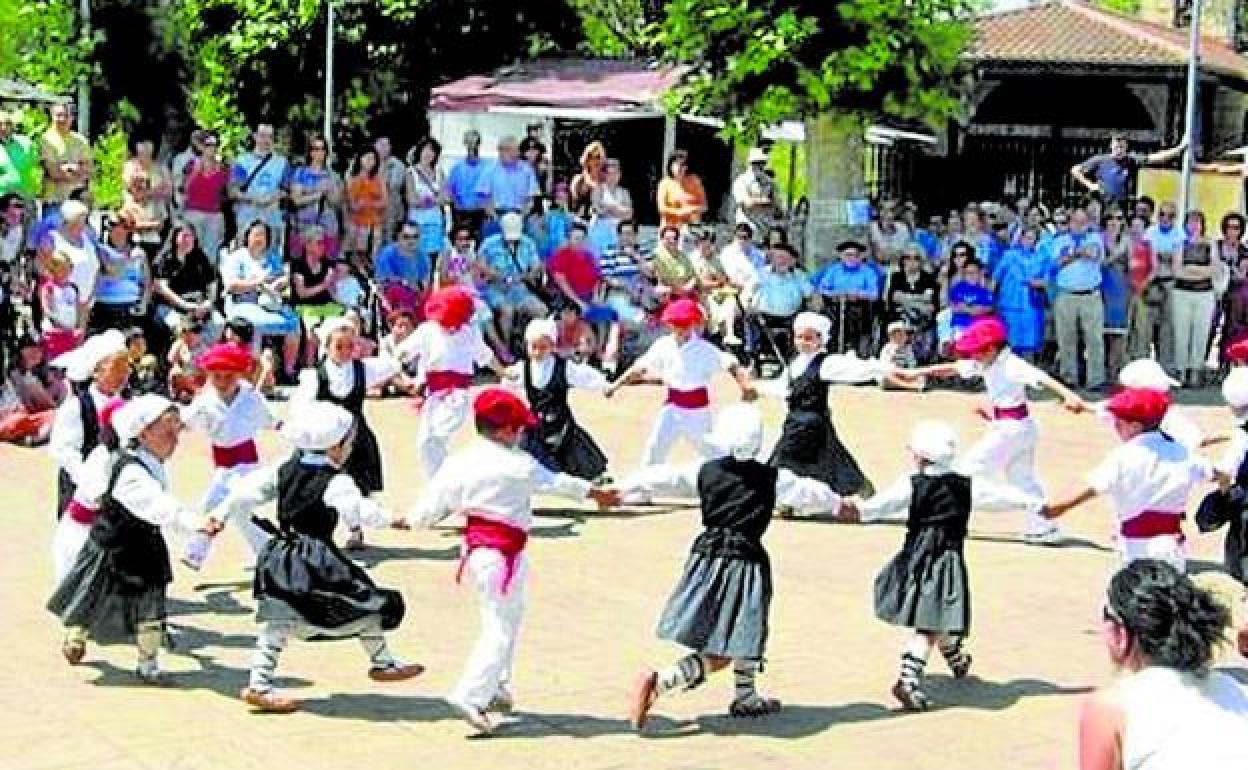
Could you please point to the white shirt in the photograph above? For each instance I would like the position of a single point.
(1233, 455)
(436, 350)
(341, 377)
(144, 492)
(495, 482)
(1181, 721)
(893, 502)
(341, 494)
(240, 265)
(738, 265)
(1006, 379)
(65, 441)
(85, 260)
(229, 424)
(1175, 424)
(579, 375)
(684, 367)
(804, 495)
(1149, 473)
(846, 368)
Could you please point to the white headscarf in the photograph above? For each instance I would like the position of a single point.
(79, 364)
(331, 325)
(72, 210)
(137, 414)
(1146, 373)
(512, 226)
(541, 327)
(738, 432)
(813, 321)
(1235, 388)
(935, 442)
(317, 425)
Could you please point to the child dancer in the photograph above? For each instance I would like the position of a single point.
(1008, 449)
(1147, 373)
(808, 444)
(1228, 505)
(447, 348)
(558, 441)
(305, 587)
(231, 413)
(1148, 478)
(721, 604)
(492, 482)
(73, 528)
(926, 586)
(124, 566)
(685, 364)
(343, 379)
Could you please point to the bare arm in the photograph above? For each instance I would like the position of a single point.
(1061, 507)
(1077, 172)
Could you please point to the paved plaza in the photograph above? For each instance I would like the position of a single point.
(598, 583)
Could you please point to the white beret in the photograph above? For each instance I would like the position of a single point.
(813, 321)
(1146, 373)
(738, 431)
(317, 425)
(72, 209)
(332, 325)
(541, 327)
(79, 364)
(1235, 387)
(137, 414)
(935, 442)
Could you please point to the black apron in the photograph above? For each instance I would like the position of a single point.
(558, 441)
(90, 440)
(364, 463)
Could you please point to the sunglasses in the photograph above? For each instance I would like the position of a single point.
(1166, 215)
(1117, 218)
(408, 237)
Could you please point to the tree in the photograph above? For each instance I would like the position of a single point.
(833, 64)
(41, 44)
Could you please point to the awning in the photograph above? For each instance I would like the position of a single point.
(577, 84)
(12, 90)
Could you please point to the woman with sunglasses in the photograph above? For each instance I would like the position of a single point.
(1115, 291)
(1192, 301)
(316, 192)
(1167, 710)
(1232, 252)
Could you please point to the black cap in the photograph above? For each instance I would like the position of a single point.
(851, 244)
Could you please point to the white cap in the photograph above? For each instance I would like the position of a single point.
(1146, 373)
(512, 226)
(935, 442)
(79, 364)
(137, 414)
(814, 322)
(317, 425)
(1235, 388)
(331, 325)
(757, 155)
(72, 209)
(898, 326)
(738, 431)
(541, 327)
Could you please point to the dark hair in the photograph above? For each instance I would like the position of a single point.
(485, 428)
(413, 155)
(8, 199)
(1232, 216)
(625, 223)
(663, 230)
(787, 248)
(1147, 201)
(376, 161)
(675, 156)
(457, 229)
(1175, 623)
(242, 328)
(972, 262)
(253, 224)
(579, 225)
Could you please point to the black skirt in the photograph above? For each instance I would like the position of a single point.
(809, 447)
(94, 595)
(720, 606)
(926, 586)
(570, 450)
(320, 585)
(364, 463)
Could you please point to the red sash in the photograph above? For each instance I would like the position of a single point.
(689, 399)
(1153, 524)
(239, 454)
(1010, 413)
(441, 382)
(81, 513)
(488, 533)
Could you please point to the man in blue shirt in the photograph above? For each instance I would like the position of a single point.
(1078, 306)
(849, 289)
(402, 269)
(1167, 237)
(509, 184)
(1110, 173)
(512, 267)
(467, 207)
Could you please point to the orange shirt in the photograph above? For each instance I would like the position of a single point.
(366, 194)
(673, 195)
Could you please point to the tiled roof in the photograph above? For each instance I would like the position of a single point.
(1074, 32)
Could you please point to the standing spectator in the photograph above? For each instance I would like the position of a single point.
(185, 284)
(204, 193)
(1192, 302)
(18, 160)
(887, 236)
(367, 206)
(509, 184)
(74, 240)
(929, 239)
(143, 161)
(124, 277)
(315, 195)
(66, 159)
(1141, 269)
(12, 215)
(681, 197)
(754, 193)
(585, 183)
(258, 182)
(1233, 254)
(393, 175)
(848, 290)
(254, 286)
(1168, 708)
(1020, 278)
(403, 270)
(1078, 306)
(1110, 174)
(612, 204)
(463, 183)
(180, 163)
(969, 297)
(913, 296)
(673, 269)
(955, 233)
(1116, 290)
(513, 274)
(1167, 239)
(424, 188)
(533, 152)
(60, 329)
(146, 215)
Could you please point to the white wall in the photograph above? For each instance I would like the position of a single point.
(449, 127)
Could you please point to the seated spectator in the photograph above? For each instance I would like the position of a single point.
(402, 270)
(255, 284)
(402, 325)
(460, 266)
(717, 291)
(124, 273)
(898, 355)
(848, 290)
(185, 376)
(969, 297)
(576, 339)
(557, 219)
(673, 269)
(913, 296)
(313, 279)
(29, 396)
(741, 259)
(629, 278)
(574, 272)
(513, 275)
(185, 285)
(144, 367)
(776, 298)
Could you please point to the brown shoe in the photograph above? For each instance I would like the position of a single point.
(644, 696)
(396, 673)
(73, 651)
(355, 540)
(268, 702)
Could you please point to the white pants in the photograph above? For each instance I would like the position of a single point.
(68, 539)
(1192, 314)
(1167, 548)
(1007, 451)
(490, 664)
(441, 416)
(675, 422)
(275, 634)
(219, 488)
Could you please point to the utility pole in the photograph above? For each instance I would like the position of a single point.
(329, 76)
(84, 82)
(1193, 72)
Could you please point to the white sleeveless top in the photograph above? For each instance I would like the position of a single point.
(1180, 721)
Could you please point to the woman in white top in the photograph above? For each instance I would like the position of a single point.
(1168, 710)
(255, 285)
(611, 205)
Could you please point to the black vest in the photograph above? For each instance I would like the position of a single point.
(137, 555)
(738, 498)
(550, 403)
(90, 420)
(809, 393)
(940, 502)
(353, 402)
(301, 499)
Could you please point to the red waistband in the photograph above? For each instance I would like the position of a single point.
(1153, 523)
(440, 382)
(1011, 413)
(488, 533)
(239, 454)
(80, 513)
(689, 399)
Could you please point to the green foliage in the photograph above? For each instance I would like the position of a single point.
(40, 44)
(1125, 7)
(764, 61)
(619, 28)
(110, 154)
(790, 177)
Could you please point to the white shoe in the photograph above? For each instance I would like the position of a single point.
(474, 716)
(196, 551)
(1050, 536)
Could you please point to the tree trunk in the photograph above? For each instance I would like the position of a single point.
(834, 179)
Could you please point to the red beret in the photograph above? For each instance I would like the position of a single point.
(682, 313)
(226, 357)
(981, 335)
(451, 307)
(1143, 405)
(501, 408)
(1237, 352)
